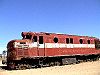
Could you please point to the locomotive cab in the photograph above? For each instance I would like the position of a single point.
(18, 49)
(24, 48)
(26, 36)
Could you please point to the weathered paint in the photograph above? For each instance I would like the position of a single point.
(50, 48)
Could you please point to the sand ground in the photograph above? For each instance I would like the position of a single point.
(86, 68)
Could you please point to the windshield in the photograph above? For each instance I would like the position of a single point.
(28, 37)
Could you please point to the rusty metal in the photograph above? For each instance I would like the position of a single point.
(45, 45)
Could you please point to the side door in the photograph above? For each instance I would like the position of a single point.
(41, 46)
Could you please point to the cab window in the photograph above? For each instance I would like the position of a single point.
(40, 39)
(28, 37)
(35, 39)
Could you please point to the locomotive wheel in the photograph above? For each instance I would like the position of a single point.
(21, 67)
(29, 66)
(77, 62)
(51, 63)
(57, 63)
(11, 66)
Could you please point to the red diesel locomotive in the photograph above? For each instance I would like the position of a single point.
(48, 49)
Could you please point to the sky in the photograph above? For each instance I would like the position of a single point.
(76, 17)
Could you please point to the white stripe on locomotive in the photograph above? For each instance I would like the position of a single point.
(55, 45)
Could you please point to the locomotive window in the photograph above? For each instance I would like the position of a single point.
(35, 38)
(40, 39)
(81, 41)
(28, 36)
(71, 40)
(67, 40)
(55, 40)
(88, 41)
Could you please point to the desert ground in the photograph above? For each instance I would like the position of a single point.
(86, 68)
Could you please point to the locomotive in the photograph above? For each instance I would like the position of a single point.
(38, 49)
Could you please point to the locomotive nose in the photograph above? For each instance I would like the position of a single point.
(11, 53)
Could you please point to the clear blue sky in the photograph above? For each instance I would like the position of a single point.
(78, 17)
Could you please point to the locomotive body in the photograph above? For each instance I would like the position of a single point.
(45, 49)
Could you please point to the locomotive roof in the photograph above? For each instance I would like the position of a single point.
(46, 33)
